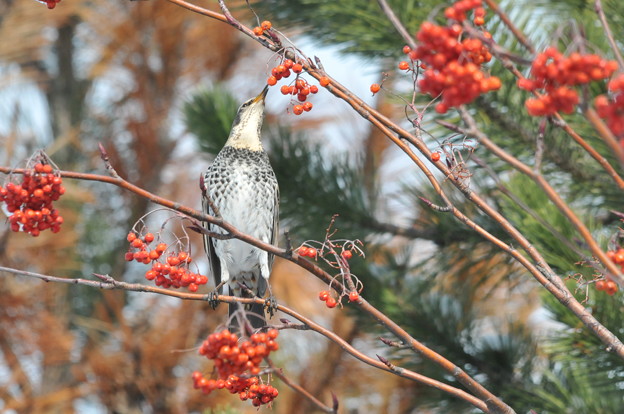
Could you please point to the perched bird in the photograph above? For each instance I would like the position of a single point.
(240, 186)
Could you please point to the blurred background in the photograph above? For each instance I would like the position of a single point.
(158, 86)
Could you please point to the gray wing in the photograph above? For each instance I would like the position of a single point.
(262, 283)
(275, 234)
(213, 259)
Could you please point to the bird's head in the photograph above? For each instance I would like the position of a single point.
(245, 131)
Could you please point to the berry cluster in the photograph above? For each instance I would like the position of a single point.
(556, 75)
(459, 9)
(264, 26)
(174, 272)
(238, 365)
(30, 202)
(452, 60)
(613, 109)
(50, 3)
(331, 302)
(299, 88)
(307, 251)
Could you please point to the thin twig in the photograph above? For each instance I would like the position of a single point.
(507, 21)
(385, 7)
(298, 388)
(608, 33)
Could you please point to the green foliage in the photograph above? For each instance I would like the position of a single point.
(209, 115)
(358, 26)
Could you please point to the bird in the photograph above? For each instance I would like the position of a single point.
(240, 187)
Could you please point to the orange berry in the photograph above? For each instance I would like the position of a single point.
(313, 89)
(266, 25)
(131, 237)
(479, 21)
(297, 68)
(353, 296)
(611, 287)
(324, 81)
(435, 156)
(272, 80)
(148, 238)
(619, 256)
(285, 89)
(137, 243)
(161, 247)
(406, 49)
(374, 88)
(258, 31)
(403, 65)
(288, 63)
(298, 109)
(307, 106)
(600, 285)
(347, 254)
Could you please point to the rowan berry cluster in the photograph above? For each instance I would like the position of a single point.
(30, 201)
(612, 109)
(331, 302)
(299, 88)
(452, 60)
(238, 365)
(264, 26)
(556, 75)
(458, 11)
(50, 3)
(173, 272)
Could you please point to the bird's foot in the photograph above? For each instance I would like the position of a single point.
(271, 305)
(213, 299)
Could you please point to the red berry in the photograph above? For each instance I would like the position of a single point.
(374, 88)
(311, 251)
(353, 296)
(285, 89)
(297, 68)
(331, 302)
(272, 80)
(324, 295)
(131, 237)
(610, 287)
(307, 106)
(298, 109)
(148, 238)
(347, 254)
(303, 251)
(435, 156)
(406, 49)
(403, 65)
(313, 89)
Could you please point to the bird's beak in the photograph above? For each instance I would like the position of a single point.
(262, 95)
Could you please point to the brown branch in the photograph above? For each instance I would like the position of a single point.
(608, 33)
(552, 194)
(507, 21)
(107, 282)
(605, 133)
(385, 7)
(298, 388)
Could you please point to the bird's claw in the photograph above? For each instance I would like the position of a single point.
(213, 300)
(271, 305)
